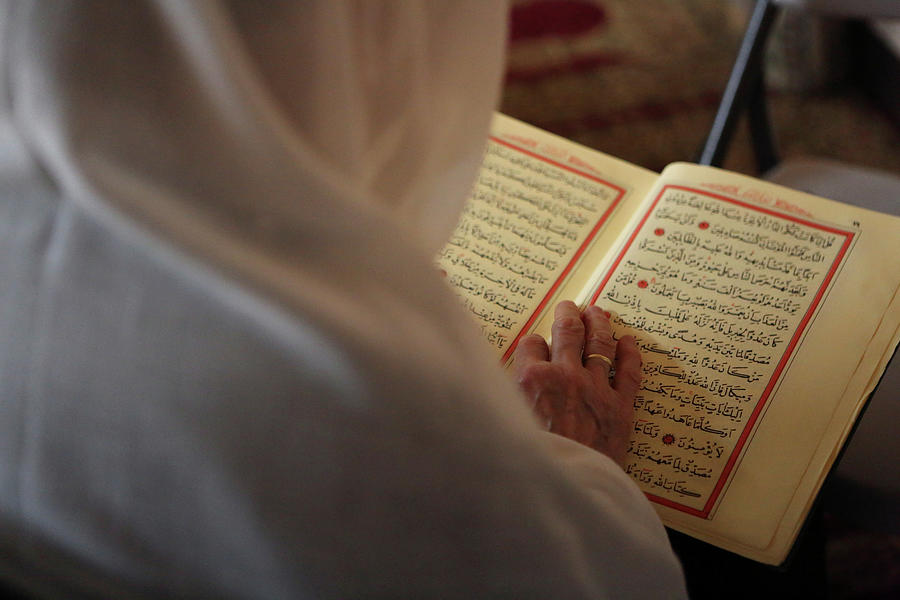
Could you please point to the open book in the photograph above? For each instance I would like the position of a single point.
(765, 317)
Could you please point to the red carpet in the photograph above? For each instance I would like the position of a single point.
(641, 80)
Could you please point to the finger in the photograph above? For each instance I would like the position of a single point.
(598, 339)
(568, 334)
(627, 379)
(531, 349)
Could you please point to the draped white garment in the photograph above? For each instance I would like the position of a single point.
(228, 367)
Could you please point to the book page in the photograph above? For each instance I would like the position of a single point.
(758, 351)
(542, 207)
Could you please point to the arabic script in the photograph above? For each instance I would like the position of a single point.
(717, 293)
(525, 221)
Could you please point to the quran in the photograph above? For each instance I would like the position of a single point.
(765, 317)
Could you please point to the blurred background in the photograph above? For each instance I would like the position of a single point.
(641, 80)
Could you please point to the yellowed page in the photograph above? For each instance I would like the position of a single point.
(765, 317)
(542, 208)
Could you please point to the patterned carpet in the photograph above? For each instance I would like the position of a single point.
(641, 80)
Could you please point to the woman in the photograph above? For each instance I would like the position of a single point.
(230, 368)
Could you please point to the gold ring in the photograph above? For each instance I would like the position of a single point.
(605, 359)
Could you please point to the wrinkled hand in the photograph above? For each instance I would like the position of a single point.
(571, 394)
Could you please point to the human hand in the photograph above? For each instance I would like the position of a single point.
(569, 386)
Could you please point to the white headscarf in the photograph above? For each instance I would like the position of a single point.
(229, 368)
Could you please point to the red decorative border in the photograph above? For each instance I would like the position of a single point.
(760, 405)
(581, 249)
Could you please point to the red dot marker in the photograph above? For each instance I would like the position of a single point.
(642, 284)
(703, 225)
(659, 231)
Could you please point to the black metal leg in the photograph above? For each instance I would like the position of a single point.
(746, 72)
(760, 129)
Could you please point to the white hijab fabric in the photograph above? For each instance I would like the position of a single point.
(228, 367)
